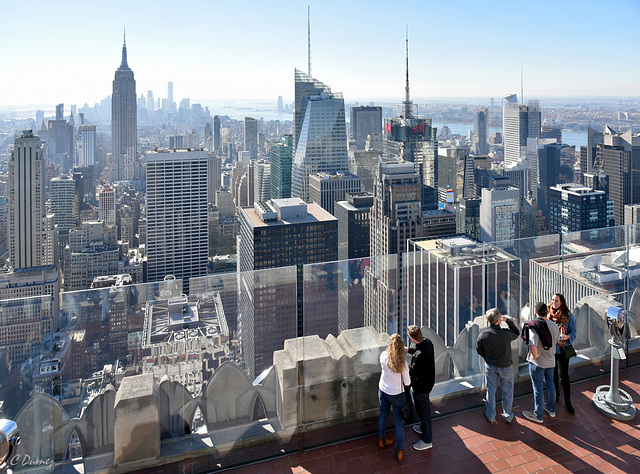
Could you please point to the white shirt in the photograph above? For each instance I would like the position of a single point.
(391, 382)
(547, 357)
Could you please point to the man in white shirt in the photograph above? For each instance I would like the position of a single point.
(542, 350)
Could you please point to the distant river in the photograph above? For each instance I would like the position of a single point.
(576, 139)
(267, 110)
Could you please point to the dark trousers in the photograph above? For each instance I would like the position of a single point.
(423, 410)
(562, 369)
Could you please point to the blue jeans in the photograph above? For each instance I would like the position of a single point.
(386, 402)
(423, 409)
(542, 379)
(504, 375)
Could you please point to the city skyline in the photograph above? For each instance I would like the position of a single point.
(216, 50)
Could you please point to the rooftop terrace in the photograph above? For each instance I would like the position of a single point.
(261, 394)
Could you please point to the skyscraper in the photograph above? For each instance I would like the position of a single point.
(325, 189)
(481, 132)
(26, 201)
(396, 216)
(177, 239)
(543, 157)
(354, 225)
(322, 143)
(65, 203)
(574, 208)
(282, 233)
(251, 137)
(216, 134)
(124, 116)
(262, 181)
(414, 140)
(500, 214)
(281, 161)
(305, 87)
(519, 122)
(107, 205)
(88, 145)
(60, 141)
(618, 156)
(365, 121)
(215, 177)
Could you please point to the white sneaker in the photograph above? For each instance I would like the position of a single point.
(421, 446)
(552, 414)
(417, 429)
(529, 415)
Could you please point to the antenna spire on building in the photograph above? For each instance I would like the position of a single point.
(408, 106)
(309, 36)
(521, 86)
(123, 64)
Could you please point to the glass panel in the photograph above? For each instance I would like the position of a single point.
(116, 359)
(30, 376)
(631, 263)
(250, 401)
(349, 308)
(448, 290)
(593, 280)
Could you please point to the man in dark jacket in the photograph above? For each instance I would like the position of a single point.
(494, 345)
(422, 371)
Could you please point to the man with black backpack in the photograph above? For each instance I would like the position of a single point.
(541, 334)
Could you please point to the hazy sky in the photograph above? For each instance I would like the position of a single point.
(68, 51)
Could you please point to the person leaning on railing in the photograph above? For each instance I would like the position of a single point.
(559, 313)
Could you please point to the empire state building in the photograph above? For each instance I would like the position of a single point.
(124, 115)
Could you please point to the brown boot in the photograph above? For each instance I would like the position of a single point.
(384, 443)
(400, 456)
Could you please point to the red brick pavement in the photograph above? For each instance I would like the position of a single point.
(585, 442)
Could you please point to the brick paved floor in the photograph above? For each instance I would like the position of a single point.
(585, 442)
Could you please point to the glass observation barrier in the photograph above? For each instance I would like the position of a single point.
(252, 365)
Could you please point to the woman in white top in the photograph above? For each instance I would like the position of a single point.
(394, 376)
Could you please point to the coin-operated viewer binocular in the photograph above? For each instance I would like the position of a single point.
(609, 399)
(8, 439)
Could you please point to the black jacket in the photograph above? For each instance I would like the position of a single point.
(422, 369)
(494, 344)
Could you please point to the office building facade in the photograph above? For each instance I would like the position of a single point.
(618, 156)
(65, 203)
(87, 154)
(281, 154)
(500, 214)
(396, 216)
(26, 201)
(519, 122)
(322, 145)
(365, 121)
(107, 205)
(573, 207)
(325, 189)
(282, 233)
(251, 137)
(177, 239)
(354, 225)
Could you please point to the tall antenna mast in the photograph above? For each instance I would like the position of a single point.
(521, 86)
(408, 106)
(309, 36)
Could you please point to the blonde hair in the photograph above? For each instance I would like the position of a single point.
(396, 353)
